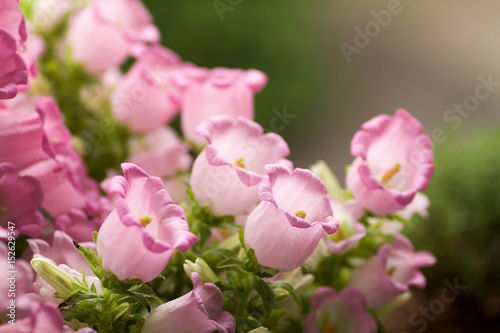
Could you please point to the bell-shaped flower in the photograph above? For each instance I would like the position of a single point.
(160, 153)
(77, 224)
(293, 215)
(12, 20)
(147, 221)
(104, 33)
(393, 161)
(391, 272)
(198, 311)
(226, 174)
(145, 99)
(13, 71)
(339, 312)
(23, 138)
(20, 197)
(220, 91)
(350, 231)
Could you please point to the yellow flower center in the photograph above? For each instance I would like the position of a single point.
(390, 271)
(145, 220)
(390, 173)
(301, 214)
(2, 209)
(240, 163)
(329, 328)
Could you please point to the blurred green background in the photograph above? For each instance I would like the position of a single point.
(427, 58)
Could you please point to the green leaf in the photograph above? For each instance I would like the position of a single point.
(288, 287)
(267, 295)
(230, 262)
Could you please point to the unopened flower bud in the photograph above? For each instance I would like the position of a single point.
(202, 268)
(58, 279)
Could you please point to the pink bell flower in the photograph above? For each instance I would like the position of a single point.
(22, 138)
(292, 217)
(12, 20)
(339, 312)
(393, 161)
(105, 32)
(13, 71)
(199, 311)
(350, 231)
(220, 91)
(225, 176)
(145, 99)
(147, 221)
(391, 272)
(20, 197)
(160, 153)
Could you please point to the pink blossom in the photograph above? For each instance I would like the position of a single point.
(294, 210)
(220, 91)
(350, 230)
(23, 278)
(393, 161)
(63, 254)
(105, 32)
(77, 224)
(199, 311)
(13, 70)
(20, 198)
(22, 138)
(145, 100)
(12, 20)
(160, 153)
(391, 272)
(226, 174)
(147, 221)
(419, 206)
(339, 312)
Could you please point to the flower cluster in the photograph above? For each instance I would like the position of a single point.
(115, 222)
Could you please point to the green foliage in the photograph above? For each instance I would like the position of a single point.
(463, 230)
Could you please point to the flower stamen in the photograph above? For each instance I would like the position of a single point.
(301, 214)
(240, 163)
(145, 220)
(390, 173)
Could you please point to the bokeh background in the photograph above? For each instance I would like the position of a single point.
(430, 57)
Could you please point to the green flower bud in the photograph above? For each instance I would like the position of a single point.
(58, 279)
(202, 268)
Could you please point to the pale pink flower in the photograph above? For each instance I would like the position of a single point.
(105, 32)
(339, 312)
(22, 138)
(350, 231)
(77, 224)
(220, 91)
(12, 20)
(20, 198)
(294, 210)
(145, 99)
(225, 176)
(13, 71)
(391, 272)
(147, 221)
(160, 153)
(393, 161)
(199, 311)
